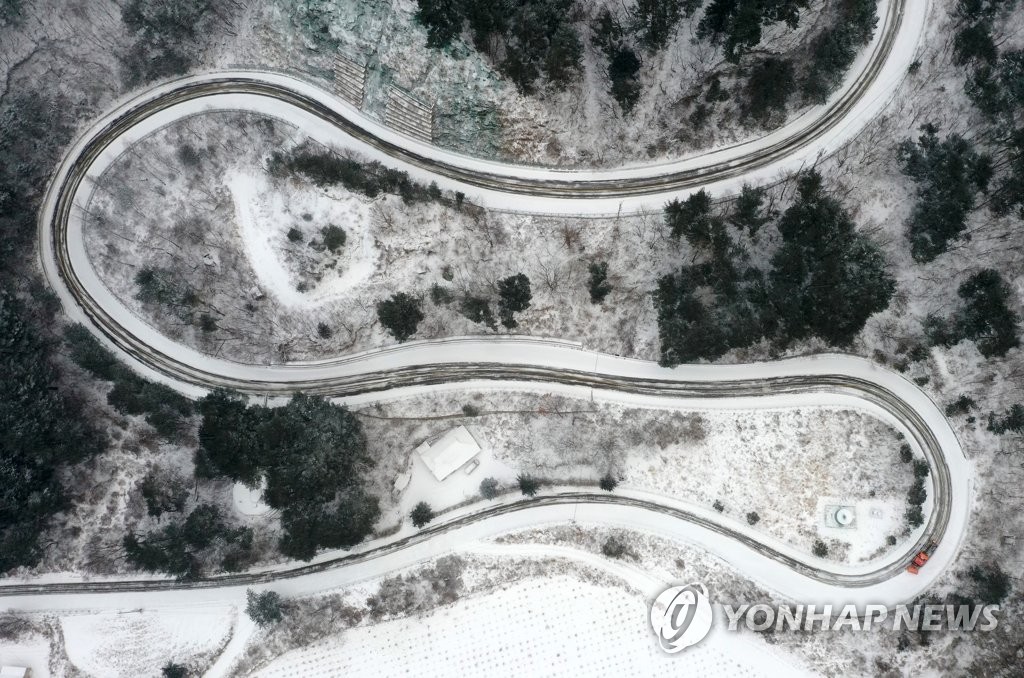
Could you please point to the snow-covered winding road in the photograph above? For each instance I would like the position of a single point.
(828, 380)
(874, 78)
(558, 365)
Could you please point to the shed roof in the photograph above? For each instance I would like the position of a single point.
(446, 454)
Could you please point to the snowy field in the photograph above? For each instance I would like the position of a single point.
(132, 644)
(31, 652)
(557, 626)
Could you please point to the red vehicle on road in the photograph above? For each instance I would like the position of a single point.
(922, 557)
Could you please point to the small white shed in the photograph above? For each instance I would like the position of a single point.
(445, 455)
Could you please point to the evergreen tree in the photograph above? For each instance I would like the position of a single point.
(914, 515)
(834, 50)
(563, 57)
(40, 430)
(918, 494)
(231, 442)
(623, 68)
(265, 608)
(655, 20)
(525, 39)
(685, 326)
(613, 547)
(400, 315)
(349, 518)
(623, 63)
(528, 485)
(598, 284)
(1009, 190)
(10, 12)
(985, 317)
(478, 310)
(35, 125)
(514, 296)
(948, 174)
(440, 295)
(421, 514)
(442, 18)
(318, 449)
(826, 279)
(975, 43)
(165, 409)
(203, 526)
(1013, 420)
(736, 24)
(334, 237)
(180, 548)
(312, 455)
(488, 488)
(921, 469)
(748, 212)
(769, 85)
(715, 304)
(991, 584)
(962, 405)
(691, 218)
(172, 670)
(90, 354)
(343, 523)
(164, 491)
(164, 32)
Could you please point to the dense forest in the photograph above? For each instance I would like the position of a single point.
(46, 430)
(823, 281)
(539, 42)
(525, 39)
(311, 456)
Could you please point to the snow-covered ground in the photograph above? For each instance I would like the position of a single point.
(507, 606)
(134, 643)
(259, 210)
(220, 229)
(461, 486)
(32, 652)
(541, 627)
(248, 501)
(806, 457)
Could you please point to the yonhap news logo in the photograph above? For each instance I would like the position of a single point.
(681, 616)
